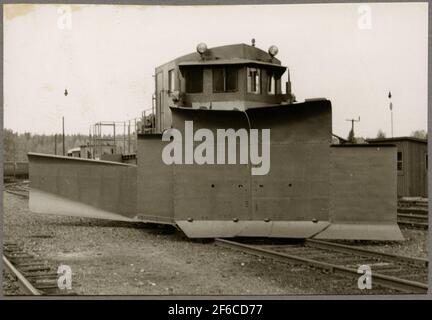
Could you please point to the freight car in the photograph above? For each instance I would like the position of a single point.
(15, 170)
(303, 187)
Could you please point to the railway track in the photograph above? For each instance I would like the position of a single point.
(18, 188)
(413, 220)
(395, 272)
(33, 275)
(413, 213)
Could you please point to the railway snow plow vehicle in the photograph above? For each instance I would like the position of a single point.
(226, 154)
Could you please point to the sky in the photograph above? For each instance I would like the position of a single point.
(105, 56)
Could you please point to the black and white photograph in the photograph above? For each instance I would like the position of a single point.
(215, 150)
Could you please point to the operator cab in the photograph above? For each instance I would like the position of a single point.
(233, 77)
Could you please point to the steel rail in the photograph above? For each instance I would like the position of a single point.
(413, 216)
(384, 280)
(366, 252)
(17, 193)
(23, 283)
(420, 225)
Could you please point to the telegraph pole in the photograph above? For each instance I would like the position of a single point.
(391, 112)
(63, 136)
(64, 153)
(352, 126)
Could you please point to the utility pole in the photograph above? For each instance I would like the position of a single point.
(64, 153)
(63, 136)
(391, 112)
(352, 128)
(129, 138)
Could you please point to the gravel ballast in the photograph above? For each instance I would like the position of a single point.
(118, 258)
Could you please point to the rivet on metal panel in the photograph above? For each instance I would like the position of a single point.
(212, 185)
(267, 220)
(189, 219)
(235, 219)
(290, 185)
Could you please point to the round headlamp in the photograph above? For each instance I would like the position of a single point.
(201, 48)
(273, 50)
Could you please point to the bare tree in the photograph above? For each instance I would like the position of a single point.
(351, 137)
(381, 134)
(421, 134)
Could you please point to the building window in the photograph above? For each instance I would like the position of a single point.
(224, 79)
(171, 80)
(399, 161)
(254, 80)
(194, 80)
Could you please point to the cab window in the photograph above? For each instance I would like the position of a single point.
(224, 79)
(254, 80)
(171, 80)
(273, 83)
(194, 80)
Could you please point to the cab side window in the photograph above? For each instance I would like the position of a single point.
(273, 83)
(254, 80)
(171, 80)
(194, 80)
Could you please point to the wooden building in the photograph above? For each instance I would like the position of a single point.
(412, 163)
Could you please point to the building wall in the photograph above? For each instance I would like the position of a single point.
(417, 169)
(412, 179)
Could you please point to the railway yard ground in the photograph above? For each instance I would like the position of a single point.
(117, 258)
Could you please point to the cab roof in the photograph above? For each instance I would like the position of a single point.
(229, 54)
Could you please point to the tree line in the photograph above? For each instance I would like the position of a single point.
(17, 145)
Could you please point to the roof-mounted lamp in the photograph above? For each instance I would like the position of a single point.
(273, 50)
(201, 48)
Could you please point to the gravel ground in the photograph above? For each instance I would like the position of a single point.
(10, 287)
(415, 244)
(114, 258)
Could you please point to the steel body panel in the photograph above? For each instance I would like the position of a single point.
(208, 195)
(228, 229)
(296, 188)
(311, 190)
(108, 186)
(363, 184)
(361, 231)
(50, 203)
(211, 192)
(154, 181)
(363, 188)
